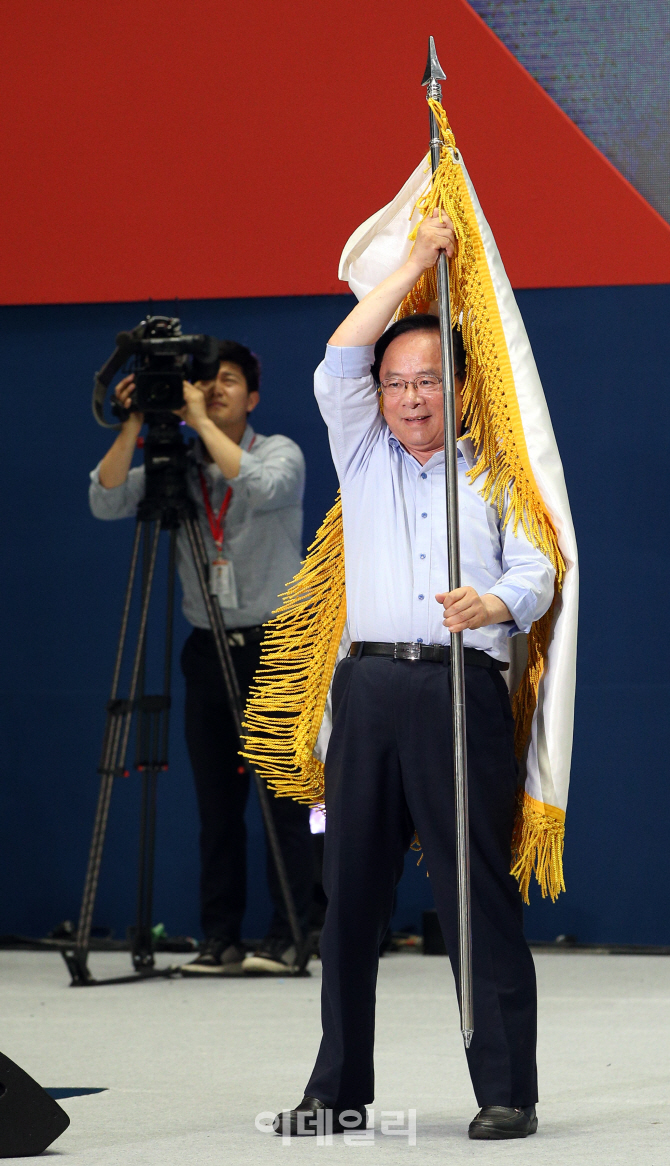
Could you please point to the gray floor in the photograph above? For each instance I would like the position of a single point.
(189, 1065)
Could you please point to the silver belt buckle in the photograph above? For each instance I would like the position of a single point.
(409, 651)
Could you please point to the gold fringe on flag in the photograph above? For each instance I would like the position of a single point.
(285, 708)
(537, 847)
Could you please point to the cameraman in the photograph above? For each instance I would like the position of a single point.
(248, 492)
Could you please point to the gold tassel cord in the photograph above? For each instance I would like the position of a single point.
(537, 847)
(285, 709)
(524, 701)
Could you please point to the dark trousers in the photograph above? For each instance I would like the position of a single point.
(222, 787)
(389, 770)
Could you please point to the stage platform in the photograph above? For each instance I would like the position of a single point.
(188, 1065)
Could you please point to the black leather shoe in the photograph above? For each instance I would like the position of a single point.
(498, 1121)
(303, 1121)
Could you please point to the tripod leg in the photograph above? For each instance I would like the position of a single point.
(99, 829)
(126, 610)
(152, 757)
(142, 937)
(235, 702)
(141, 953)
(141, 940)
(151, 851)
(77, 962)
(169, 632)
(147, 583)
(115, 741)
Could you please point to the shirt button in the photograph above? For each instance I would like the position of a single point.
(424, 515)
(421, 597)
(423, 476)
(422, 556)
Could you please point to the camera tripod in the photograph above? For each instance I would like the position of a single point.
(166, 506)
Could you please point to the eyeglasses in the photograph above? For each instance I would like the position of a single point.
(423, 384)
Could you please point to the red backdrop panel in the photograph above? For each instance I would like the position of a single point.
(162, 148)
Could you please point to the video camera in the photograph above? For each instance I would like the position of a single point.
(163, 360)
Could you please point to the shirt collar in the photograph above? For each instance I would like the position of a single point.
(465, 450)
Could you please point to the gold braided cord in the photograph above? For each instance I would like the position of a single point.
(524, 700)
(285, 708)
(537, 847)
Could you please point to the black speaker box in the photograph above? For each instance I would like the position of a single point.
(30, 1120)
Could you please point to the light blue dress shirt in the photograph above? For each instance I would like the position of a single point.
(395, 527)
(263, 528)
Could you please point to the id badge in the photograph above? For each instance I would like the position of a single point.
(222, 582)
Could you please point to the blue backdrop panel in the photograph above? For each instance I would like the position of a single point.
(63, 581)
(601, 356)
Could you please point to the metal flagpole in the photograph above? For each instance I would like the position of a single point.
(432, 77)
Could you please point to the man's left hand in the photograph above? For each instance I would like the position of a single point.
(464, 608)
(194, 412)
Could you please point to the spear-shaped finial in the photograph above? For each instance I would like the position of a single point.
(434, 73)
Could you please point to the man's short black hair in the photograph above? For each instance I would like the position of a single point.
(418, 323)
(239, 354)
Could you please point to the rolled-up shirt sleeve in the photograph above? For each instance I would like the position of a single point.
(527, 585)
(118, 501)
(276, 479)
(349, 363)
(347, 398)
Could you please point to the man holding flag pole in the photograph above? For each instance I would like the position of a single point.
(422, 617)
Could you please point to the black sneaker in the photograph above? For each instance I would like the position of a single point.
(217, 958)
(275, 958)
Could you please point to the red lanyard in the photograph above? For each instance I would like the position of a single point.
(217, 522)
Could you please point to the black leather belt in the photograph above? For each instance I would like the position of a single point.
(432, 653)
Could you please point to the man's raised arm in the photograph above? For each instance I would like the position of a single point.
(365, 324)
